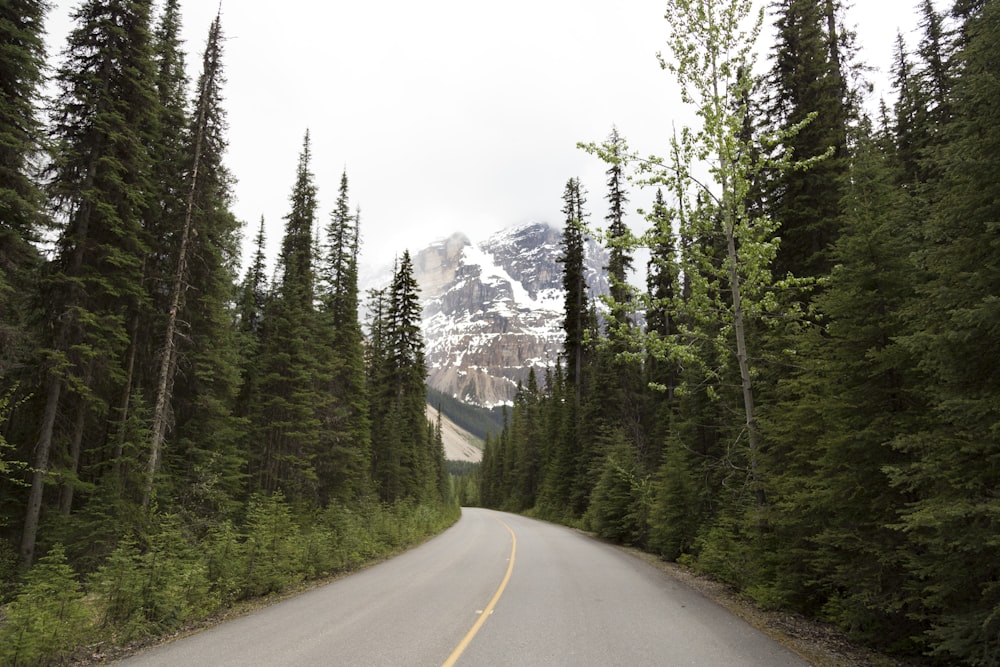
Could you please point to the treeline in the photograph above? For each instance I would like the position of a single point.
(810, 409)
(153, 405)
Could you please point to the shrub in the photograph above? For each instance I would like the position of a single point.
(48, 618)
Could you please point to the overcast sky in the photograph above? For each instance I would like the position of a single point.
(448, 115)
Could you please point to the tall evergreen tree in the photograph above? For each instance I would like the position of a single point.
(204, 378)
(346, 451)
(808, 103)
(409, 376)
(621, 391)
(21, 202)
(403, 459)
(385, 456)
(663, 293)
(286, 428)
(99, 181)
(954, 323)
(618, 233)
(830, 438)
(574, 281)
(253, 296)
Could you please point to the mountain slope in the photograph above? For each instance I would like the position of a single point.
(459, 444)
(493, 311)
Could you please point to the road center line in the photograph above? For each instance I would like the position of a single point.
(464, 644)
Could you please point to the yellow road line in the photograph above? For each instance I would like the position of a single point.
(464, 644)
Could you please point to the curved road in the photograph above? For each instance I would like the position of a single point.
(494, 589)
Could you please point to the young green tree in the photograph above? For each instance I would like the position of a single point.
(48, 617)
(711, 57)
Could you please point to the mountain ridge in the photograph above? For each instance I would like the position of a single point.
(494, 310)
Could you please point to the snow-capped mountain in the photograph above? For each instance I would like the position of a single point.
(494, 310)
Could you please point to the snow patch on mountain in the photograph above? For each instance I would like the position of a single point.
(492, 311)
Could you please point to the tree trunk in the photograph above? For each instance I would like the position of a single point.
(76, 444)
(164, 384)
(728, 203)
(126, 406)
(743, 360)
(42, 449)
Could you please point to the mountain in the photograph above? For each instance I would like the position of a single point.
(459, 444)
(494, 310)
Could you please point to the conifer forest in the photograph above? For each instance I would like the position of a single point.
(799, 396)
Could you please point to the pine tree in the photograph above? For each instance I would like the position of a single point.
(835, 552)
(403, 462)
(618, 233)
(663, 293)
(954, 323)
(253, 290)
(21, 203)
(408, 378)
(346, 451)
(386, 469)
(252, 304)
(205, 379)
(621, 393)
(98, 182)
(808, 101)
(286, 428)
(574, 282)
(525, 441)
(48, 617)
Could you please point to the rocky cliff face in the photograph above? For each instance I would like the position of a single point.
(494, 310)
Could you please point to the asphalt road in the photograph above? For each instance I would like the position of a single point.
(495, 589)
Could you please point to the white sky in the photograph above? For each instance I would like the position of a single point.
(449, 115)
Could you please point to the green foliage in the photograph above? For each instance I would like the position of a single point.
(48, 618)
(274, 550)
(677, 506)
(224, 549)
(153, 589)
(620, 502)
(808, 104)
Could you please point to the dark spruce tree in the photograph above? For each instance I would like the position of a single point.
(250, 309)
(285, 433)
(405, 461)
(344, 461)
(103, 122)
(663, 292)
(574, 282)
(408, 379)
(21, 201)
(204, 462)
(953, 332)
(808, 99)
